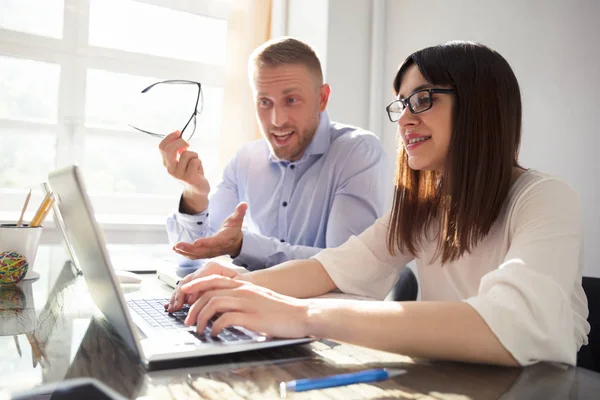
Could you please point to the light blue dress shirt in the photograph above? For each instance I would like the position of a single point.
(295, 209)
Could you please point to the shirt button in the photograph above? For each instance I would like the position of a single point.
(292, 166)
(284, 204)
(282, 240)
(199, 222)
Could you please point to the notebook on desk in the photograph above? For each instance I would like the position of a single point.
(144, 325)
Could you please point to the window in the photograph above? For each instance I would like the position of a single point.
(148, 29)
(71, 75)
(44, 18)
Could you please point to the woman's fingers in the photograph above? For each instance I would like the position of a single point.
(232, 318)
(178, 297)
(211, 282)
(176, 302)
(210, 285)
(253, 307)
(221, 302)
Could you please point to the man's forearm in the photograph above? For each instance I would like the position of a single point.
(297, 278)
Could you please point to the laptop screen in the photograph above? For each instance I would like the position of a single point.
(85, 239)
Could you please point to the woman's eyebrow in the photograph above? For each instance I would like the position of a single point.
(420, 87)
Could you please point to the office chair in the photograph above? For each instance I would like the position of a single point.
(406, 288)
(589, 356)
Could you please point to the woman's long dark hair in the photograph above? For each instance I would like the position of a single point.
(467, 197)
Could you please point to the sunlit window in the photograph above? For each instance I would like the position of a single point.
(71, 77)
(37, 17)
(29, 90)
(144, 28)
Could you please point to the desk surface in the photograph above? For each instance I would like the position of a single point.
(51, 331)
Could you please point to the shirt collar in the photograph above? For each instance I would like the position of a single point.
(319, 143)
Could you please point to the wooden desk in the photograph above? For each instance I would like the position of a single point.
(72, 340)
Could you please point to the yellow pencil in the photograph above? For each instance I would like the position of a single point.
(20, 221)
(40, 210)
(45, 213)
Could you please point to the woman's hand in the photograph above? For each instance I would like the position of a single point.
(245, 304)
(178, 298)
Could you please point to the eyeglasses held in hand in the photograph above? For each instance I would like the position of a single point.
(190, 127)
(419, 101)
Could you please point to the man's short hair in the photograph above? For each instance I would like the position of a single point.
(285, 51)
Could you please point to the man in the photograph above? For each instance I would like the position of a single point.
(309, 184)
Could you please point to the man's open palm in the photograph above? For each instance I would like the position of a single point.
(227, 241)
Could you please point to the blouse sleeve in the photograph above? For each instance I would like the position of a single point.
(363, 265)
(531, 301)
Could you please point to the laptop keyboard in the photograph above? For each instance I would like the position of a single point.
(154, 313)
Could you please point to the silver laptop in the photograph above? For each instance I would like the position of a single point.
(144, 325)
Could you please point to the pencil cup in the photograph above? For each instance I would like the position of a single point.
(18, 248)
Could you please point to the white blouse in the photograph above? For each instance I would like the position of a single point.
(523, 278)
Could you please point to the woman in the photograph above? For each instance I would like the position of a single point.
(498, 248)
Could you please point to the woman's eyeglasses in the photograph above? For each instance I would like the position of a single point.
(190, 126)
(419, 101)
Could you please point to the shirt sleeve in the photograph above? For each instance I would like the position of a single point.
(358, 201)
(363, 265)
(187, 228)
(360, 197)
(259, 252)
(528, 300)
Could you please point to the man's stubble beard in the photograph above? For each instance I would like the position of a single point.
(302, 144)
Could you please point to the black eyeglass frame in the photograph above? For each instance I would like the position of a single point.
(192, 117)
(406, 102)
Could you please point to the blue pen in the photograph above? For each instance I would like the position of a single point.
(369, 375)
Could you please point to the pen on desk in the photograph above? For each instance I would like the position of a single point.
(369, 375)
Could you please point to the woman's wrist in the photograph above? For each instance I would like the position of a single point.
(304, 308)
(314, 318)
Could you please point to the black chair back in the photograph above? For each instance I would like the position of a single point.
(406, 288)
(589, 356)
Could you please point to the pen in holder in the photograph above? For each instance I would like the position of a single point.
(19, 243)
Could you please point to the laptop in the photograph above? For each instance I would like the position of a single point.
(152, 333)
